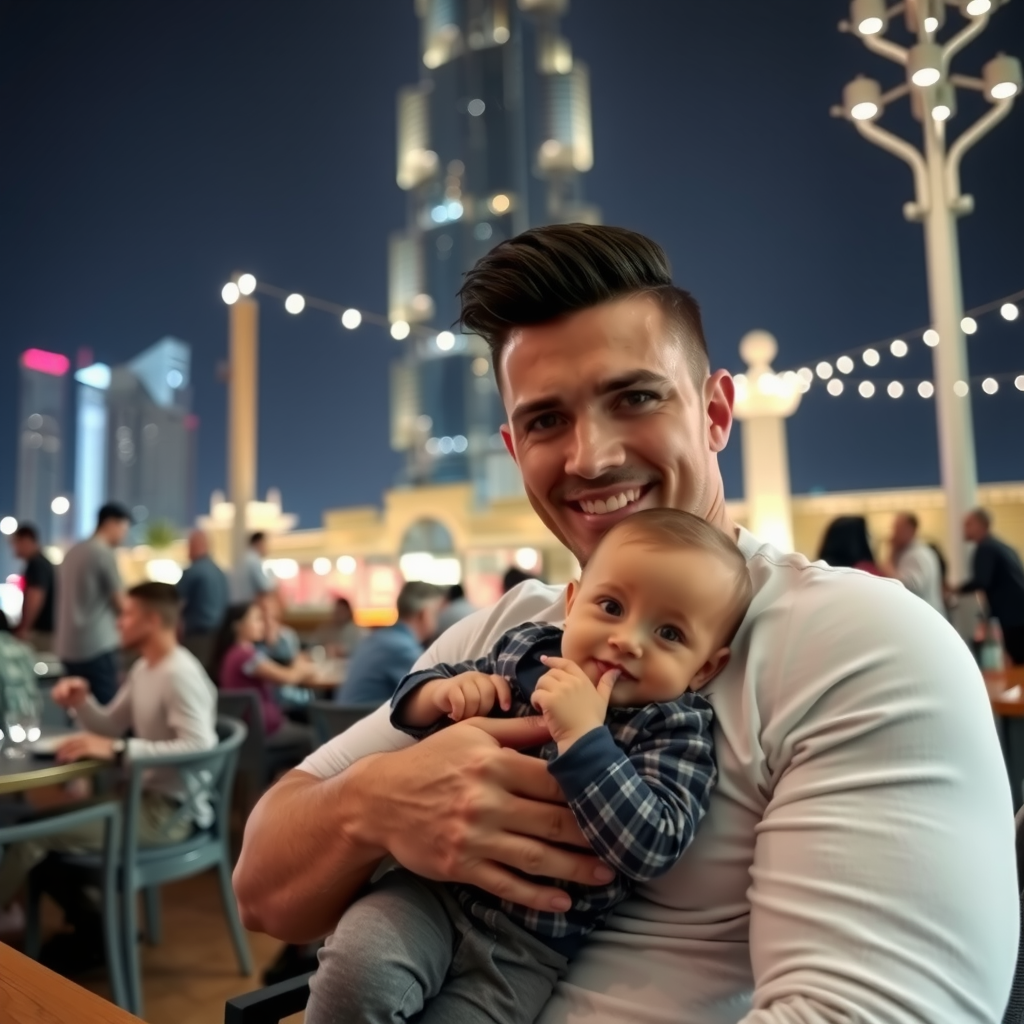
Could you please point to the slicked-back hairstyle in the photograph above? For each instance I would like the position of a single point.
(161, 598)
(673, 529)
(554, 271)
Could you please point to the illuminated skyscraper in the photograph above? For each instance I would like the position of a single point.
(494, 137)
(41, 428)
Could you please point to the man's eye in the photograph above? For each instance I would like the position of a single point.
(545, 421)
(671, 634)
(637, 398)
(610, 607)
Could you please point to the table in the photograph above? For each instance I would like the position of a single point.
(34, 772)
(999, 683)
(31, 994)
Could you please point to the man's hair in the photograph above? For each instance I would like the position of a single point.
(911, 519)
(26, 531)
(554, 271)
(113, 511)
(415, 596)
(257, 537)
(161, 598)
(513, 577)
(983, 516)
(672, 528)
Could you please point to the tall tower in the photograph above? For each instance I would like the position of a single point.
(41, 427)
(494, 137)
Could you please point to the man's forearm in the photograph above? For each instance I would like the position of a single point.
(33, 605)
(305, 855)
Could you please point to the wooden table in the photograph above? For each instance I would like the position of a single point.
(31, 994)
(998, 684)
(33, 772)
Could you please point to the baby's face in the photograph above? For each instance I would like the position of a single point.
(657, 615)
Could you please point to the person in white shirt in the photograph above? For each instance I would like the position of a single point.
(169, 705)
(835, 877)
(914, 563)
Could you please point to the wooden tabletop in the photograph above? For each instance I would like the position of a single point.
(31, 994)
(34, 772)
(1006, 691)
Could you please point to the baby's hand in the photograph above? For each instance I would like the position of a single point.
(470, 694)
(571, 704)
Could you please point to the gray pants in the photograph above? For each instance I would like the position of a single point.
(407, 950)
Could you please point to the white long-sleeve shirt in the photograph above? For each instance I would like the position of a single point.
(919, 570)
(171, 708)
(857, 861)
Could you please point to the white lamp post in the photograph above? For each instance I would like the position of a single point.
(938, 201)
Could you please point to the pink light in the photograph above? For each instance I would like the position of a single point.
(45, 362)
(191, 421)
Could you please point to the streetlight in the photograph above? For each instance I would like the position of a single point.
(931, 87)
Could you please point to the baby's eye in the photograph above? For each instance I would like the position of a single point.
(671, 634)
(610, 607)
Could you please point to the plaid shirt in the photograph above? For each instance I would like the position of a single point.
(637, 786)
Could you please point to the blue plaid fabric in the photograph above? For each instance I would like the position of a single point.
(638, 786)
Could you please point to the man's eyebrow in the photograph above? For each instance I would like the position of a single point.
(632, 379)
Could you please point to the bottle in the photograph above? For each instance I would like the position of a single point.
(992, 649)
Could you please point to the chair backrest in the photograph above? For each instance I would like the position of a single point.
(329, 719)
(207, 775)
(246, 706)
(1015, 1008)
(269, 1005)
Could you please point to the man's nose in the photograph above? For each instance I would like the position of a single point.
(596, 448)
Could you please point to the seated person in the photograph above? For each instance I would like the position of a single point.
(168, 705)
(241, 664)
(341, 636)
(648, 625)
(19, 686)
(386, 655)
(280, 641)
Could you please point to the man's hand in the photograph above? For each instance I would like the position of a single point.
(470, 695)
(70, 692)
(570, 703)
(462, 807)
(86, 747)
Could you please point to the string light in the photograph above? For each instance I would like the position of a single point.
(866, 389)
(824, 370)
(295, 303)
(990, 385)
(835, 387)
(898, 348)
(1008, 311)
(870, 357)
(844, 364)
(930, 337)
(895, 389)
(960, 389)
(926, 389)
(969, 325)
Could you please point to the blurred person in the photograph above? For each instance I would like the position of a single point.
(997, 573)
(385, 657)
(859, 768)
(89, 599)
(916, 564)
(341, 636)
(242, 664)
(455, 608)
(280, 641)
(167, 705)
(203, 590)
(513, 577)
(36, 625)
(846, 545)
(249, 580)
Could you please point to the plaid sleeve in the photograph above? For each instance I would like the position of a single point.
(639, 810)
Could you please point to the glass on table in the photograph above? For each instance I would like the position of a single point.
(21, 727)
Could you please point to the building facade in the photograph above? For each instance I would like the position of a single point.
(494, 137)
(41, 434)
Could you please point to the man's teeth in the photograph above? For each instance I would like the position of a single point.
(612, 504)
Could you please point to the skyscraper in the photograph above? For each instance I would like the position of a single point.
(493, 138)
(41, 430)
(135, 437)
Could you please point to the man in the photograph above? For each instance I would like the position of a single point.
(455, 608)
(36, 626)
(859, 770)
(387, 655)
(914, 563)
(89, 599)
(249, 581)
(998, 574)
(169, 706)
(341, 636)
(203, 590)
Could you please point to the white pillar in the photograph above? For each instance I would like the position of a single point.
(243, 352)
(763, 402)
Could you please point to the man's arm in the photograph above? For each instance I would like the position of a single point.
(984, 566)
(191, 713)
(35, 598)
(113, 719)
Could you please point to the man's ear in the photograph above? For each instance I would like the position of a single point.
(710, 668)
(719, 394)
(506, 436)
(571, 590)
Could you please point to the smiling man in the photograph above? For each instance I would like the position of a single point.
(859, 770)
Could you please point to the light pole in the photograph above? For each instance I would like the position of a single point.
(938, 202)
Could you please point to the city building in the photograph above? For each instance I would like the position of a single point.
(493, 138)
(136, 439)
(41, 433)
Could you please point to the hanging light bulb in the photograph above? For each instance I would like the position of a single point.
(866, 389)
(870, 357)
(926, 389)
(834, 387)
(898, 348)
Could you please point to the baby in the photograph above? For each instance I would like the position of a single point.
(649, 623)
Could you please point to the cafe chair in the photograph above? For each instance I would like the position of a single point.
(146, 868)
(269, 1005)
(109, 814)
(329, 719)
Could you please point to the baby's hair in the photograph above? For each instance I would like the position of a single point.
(669, 527)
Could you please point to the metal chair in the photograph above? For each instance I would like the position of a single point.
(269, 1005)
(329, 719)
(110, 815)
(210, 774)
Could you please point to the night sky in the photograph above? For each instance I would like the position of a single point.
(148, 150)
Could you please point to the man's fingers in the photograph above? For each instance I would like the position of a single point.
(507, 886)
(550, 822)
(516, 732)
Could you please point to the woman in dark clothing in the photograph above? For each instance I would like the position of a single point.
(846, 544)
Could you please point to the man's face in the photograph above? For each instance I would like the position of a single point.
(605, 420)
(424, 624)
(23, 547)
(136, 623)
(902, 532)
(974, 529)
(117, 531)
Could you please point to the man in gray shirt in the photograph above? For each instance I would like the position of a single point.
(203, 589)
(249, 581)
(89, 599)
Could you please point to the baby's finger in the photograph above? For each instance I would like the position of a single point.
(553, 661)
(538, 700)
(503, 692)
(458, 702)
(471, 696)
